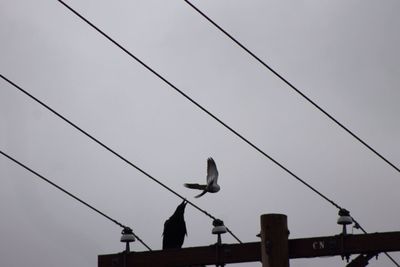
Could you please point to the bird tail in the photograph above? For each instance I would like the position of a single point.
(202, 193)
(196, 186)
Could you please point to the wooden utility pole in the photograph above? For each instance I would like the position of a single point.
(274, 250)
(274, 241)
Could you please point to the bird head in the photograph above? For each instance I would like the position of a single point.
(181, 208)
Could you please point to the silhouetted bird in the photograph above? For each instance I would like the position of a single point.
(212, 178)
(175, 228)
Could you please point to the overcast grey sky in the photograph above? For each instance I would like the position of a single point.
(342, 54)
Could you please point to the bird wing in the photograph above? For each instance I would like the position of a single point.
(212, 172)
(196, 186)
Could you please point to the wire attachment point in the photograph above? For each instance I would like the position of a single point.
(127, 237)
(219, 229)
(344, 219)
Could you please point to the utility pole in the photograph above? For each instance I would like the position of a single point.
(274, 241)
(274, 250)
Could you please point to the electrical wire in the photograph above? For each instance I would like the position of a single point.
(113, 152)
(200, 106)
(71, 195)
(301, 94)
(224, 124)
(293, 87)
(391, 259)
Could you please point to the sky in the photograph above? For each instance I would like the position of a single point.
(342, 54)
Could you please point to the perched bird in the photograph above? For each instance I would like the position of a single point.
(212, 179)
(175, 228)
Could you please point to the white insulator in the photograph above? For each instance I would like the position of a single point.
(344, 220)
(219, 230)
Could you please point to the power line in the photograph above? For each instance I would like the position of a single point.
(71, 195)
(96, 210)
(392, 259)
(293, 87)
(200, 106)
(214, 117)
(113, 152)
(301, 94)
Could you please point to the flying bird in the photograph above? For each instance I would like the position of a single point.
(175, 228)
(212, 179)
